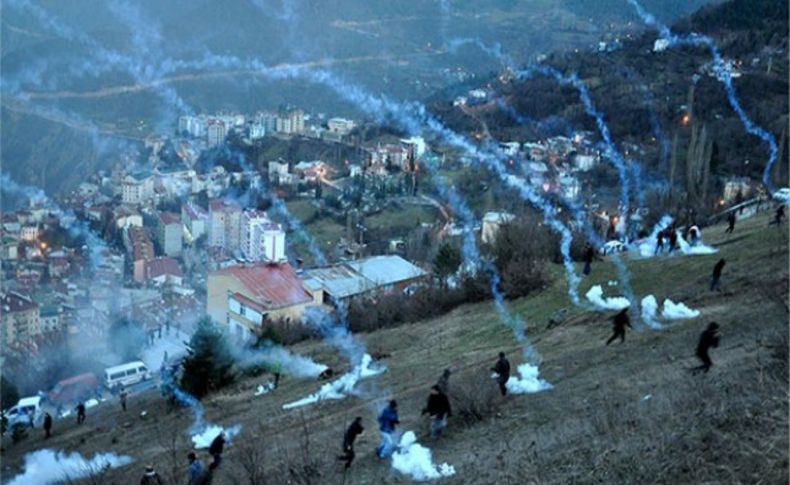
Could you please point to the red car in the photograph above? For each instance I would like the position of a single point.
(74, 389)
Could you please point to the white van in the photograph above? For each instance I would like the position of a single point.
(126, 374)
(24, 409)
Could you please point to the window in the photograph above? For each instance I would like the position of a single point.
(131, 372)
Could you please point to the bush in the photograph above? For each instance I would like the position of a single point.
(475, 397)
(209, 365)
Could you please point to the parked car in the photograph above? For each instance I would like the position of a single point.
(21, 414)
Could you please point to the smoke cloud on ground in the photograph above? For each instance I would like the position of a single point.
(343, 386)
(292, 364)
(203, 440)
(677, 311)
(53, 466)
(528, 381)
(595, 296)
(416, 461)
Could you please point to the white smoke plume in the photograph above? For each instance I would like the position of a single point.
(291, 364)
(54, 466)
(528, 382)
(203, 440)
(698, 248)
(342, 387)
(595, 296)
(677, 311)
(414, 460)
(650, 311)
(264, 389)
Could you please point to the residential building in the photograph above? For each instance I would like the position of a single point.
(341, 126)
(257, 131)
(278, 173)
(311, 171)
(246, 297)
(126, 216)
(163, 270)
(169, 234)
(492, 223)
(224, 224)
(20, 319)
(137, 188)
(29, 233)
(415, 146)
(140, 249)
(215, 132)
(194, 219)
(262, 240)
(51, 318)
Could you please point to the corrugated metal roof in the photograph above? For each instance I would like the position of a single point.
(386, 270)
(341, 281)
(273, 286)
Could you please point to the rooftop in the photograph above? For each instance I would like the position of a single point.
(168, 218)
(340, 281)
(272, 286)
(386, 270)
(162, 267)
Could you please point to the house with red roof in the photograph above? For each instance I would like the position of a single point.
(246, 297)
(162, 271)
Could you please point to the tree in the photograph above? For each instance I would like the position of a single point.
(209, 365)
(446, 262)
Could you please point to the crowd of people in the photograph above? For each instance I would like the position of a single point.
(438, 406)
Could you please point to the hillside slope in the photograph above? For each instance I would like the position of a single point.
(627, 413)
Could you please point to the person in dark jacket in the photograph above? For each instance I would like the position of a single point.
(195, 470)
(47, 425)
(672, 236)
(620, 321)
(502, 369)
(80, 413)
(778, 216)
(215, 450)
(708, 339)
(388, 420)
(349, 437)
(438, 408)
(589, 255)
(716, 275)
(123, 395)
(730, 223)
(659, 242)
(151, 477)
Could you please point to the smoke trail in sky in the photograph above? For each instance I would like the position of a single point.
(611, 151)
(722, 74)
(495, 50)
(444, 19)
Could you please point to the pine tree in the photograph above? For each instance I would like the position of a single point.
(447, 261)
(209, 365)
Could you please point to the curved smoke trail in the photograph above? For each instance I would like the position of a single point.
(723, 75)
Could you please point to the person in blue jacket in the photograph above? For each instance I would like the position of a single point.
(388, 419)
